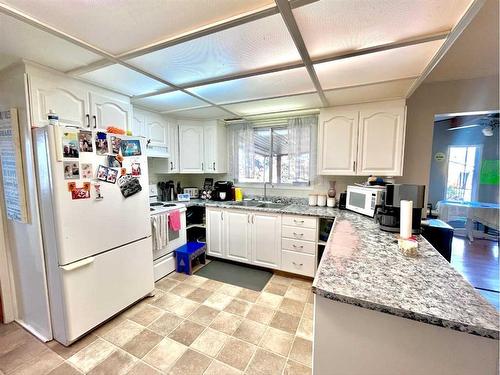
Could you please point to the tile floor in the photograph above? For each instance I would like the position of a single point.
(191, 326)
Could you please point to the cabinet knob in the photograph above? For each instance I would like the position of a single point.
(298, 247)
(214, 165)
(171, 166)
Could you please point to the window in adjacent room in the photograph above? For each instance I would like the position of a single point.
(280, 151)
(461, 184)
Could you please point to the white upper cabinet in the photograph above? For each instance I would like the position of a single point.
(191, 152)
(67, 99)
(214, 141)
(363, 139)
(338, 139)
(76, 103)
(381, 139)
(157, 131)
(173, 147)
(139, 124)
(155, 128)
(109, 111)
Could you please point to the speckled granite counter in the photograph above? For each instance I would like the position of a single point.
(363, 266)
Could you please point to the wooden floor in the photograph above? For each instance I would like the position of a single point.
(478, 263)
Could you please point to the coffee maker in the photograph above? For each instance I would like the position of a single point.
(223, 191)
(387, 215)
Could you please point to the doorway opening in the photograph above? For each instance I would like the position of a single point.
(464, 193)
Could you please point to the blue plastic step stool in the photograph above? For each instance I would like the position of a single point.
(186, 253)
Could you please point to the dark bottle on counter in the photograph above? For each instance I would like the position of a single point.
(179, 189)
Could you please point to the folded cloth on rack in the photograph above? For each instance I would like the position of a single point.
(174, 220)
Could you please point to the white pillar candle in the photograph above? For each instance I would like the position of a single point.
(405, 219)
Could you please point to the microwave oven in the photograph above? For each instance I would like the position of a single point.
(364, 200)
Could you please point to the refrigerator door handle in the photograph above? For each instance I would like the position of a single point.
(78, 264)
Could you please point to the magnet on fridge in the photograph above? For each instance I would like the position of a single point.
(123, 171)
(101, 143)
(71, 186)
(136, 169)
(86, 186)
(97, 188)
(80, 193)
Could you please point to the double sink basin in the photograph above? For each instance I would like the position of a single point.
(260, 204)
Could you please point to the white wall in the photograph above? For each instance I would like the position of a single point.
(25, 240)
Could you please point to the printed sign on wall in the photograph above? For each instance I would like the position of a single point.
(12, 167)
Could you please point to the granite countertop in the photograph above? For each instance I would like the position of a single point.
(362, 266)
(292, 209)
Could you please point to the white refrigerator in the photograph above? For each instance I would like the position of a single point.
(97, 247)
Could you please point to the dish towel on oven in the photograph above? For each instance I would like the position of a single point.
(159, 231)
(174, 220)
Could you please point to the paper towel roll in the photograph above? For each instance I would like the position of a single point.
(405, 219)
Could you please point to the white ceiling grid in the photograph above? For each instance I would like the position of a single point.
(229, 58)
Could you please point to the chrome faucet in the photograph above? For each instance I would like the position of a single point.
(265, 190)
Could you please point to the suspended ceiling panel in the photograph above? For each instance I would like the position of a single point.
(170, 102)
(208, 113)
(329, 26)
(289, 103)
(369, 93)
(124, 80)
(119, 26)
(377, 67)
(287, 82)
(258, 44)
(20, 40)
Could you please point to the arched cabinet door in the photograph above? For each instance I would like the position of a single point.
(337, 141)
(191, 148)
(107, 111)
(381, 140)
(68, 101)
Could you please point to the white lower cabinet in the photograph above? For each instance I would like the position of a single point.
(266, 239)
(237, 228)
(249, 237)
(215, 232)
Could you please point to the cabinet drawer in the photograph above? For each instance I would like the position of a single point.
(299, 221)
(298, 245)
(293, 262)
(296, 233)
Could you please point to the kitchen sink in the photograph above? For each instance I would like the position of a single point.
(248, 203)
(272, 205)
(260, 204)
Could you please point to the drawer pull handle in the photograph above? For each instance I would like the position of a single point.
(298, 234)
(296, 246)
(298, 264)
(298, 221)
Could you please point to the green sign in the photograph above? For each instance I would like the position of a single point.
(489, 172)
(440, 156)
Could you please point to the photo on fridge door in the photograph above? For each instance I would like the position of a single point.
(85, 141)
(86, 170)
(101, 143)
(71, 170)
(70, 145)
(115, 144)
(131, 147)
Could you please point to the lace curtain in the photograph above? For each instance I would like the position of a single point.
(302, 138)
(301, 146)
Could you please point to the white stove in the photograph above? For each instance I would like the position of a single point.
(163, 256)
